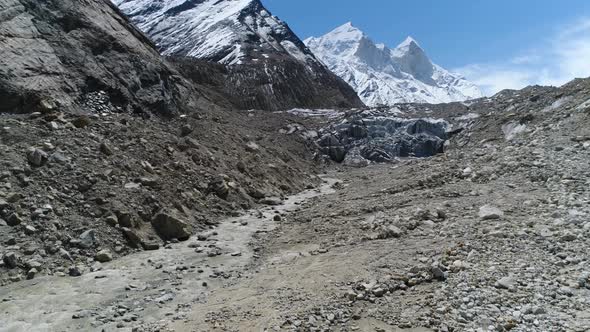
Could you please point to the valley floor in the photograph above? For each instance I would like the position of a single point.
(401, 247)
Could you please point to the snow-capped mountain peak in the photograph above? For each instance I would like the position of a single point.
(408, 42)
(381, 75)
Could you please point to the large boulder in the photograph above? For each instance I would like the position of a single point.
(170, 227)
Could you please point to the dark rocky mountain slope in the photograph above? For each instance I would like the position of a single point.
(53, 53)
(268, 66)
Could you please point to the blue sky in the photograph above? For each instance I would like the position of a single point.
(497, 44)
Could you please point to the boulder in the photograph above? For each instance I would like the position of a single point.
(169, 227)
(10, 260)
(219, 187)
(103, 256)
(14, 220)
(37, 157)
(489, 212)
(88, 239)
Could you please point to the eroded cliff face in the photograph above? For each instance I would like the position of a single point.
(54, 52)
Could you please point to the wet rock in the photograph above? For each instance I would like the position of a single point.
(169, 227)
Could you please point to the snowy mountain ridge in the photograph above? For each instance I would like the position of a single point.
(384, 76)
(265, 65)
(227, 31)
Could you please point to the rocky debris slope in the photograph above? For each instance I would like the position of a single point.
(83, 178)
(268, 66)
(80, 189)
(384, 76)
(493, 235)
(53, 54)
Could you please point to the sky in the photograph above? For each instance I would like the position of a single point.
(497, 44)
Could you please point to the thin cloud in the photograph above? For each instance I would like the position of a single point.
(561, 59)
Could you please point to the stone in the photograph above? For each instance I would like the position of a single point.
(106, 149)
(489, 212)
(32, 273)
(125, 219)
(277, 217)
(252, 147)
(111, 220)
(506, 283)
(439, 274)
(13, 197)
(30, 230)
(88, 239)
(10, 260)
(37, 157)
(568, 236)
(390, 231)
(3, 204)
(378, 292)
(14, 220)
(169, 227)
(82, 121)
(219, 187)
(65, 254)
(185, 130)
(75, 271)
(103, 256)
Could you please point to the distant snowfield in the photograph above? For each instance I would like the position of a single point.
(383, 76)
